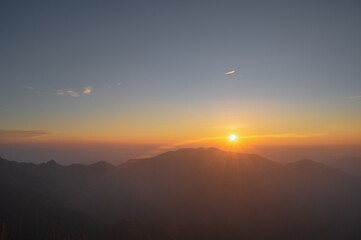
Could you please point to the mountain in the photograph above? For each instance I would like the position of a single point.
(202, 193)
(175, 183)
(349, 165)
(314, 171)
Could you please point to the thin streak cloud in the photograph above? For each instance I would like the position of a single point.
(21, 133)
(230, 72)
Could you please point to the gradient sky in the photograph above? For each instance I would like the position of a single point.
(154, 71)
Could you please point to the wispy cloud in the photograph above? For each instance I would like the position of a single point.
(230, 72)
(21, 133)
(29, 87)
(61, 92)
(87, 90)
(354, 97)
(72, 93)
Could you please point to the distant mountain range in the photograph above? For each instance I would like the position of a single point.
(349, 165)
(202, 193)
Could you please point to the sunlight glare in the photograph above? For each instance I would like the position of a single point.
(232, 137)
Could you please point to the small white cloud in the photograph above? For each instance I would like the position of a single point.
(60, 92)
(230, 72)
(87, 90)
(119, 83)
(354, 97)
(72, 93)
(30, 88)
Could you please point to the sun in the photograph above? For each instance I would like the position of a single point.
(232, 137)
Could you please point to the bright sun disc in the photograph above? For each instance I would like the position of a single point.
(232, 137)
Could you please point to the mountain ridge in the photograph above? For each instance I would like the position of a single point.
(193, 188)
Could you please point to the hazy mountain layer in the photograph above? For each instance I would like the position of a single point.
(185, 194)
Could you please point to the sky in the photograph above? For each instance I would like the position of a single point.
(161, 74)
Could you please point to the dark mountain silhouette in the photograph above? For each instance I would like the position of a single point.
(349, 165)
(315, 171)
(199, 193)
